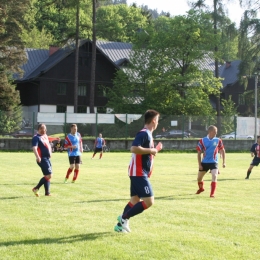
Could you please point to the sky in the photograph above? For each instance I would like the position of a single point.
(180, 7)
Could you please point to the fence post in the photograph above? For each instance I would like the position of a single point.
(235, 125)
(125, 125)
(96, 124)
(65, 124)
(33, 123)
(182, 127)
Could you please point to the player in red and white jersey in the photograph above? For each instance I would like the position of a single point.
(139, 170)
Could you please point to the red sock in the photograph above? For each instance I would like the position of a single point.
(76, 172)
(200, 184)
(213, 189)
(100, 156)
(68, 173)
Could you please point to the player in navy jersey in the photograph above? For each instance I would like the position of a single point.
(98, 146)
(209, 147)
(42, 151)
(73, 143)
(139, 170)
(255, 152)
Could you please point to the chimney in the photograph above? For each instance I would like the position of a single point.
(228, 64)
(52, 49)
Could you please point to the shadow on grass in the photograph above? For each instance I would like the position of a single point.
(62, 240)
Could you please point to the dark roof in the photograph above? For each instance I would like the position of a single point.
(39, 61)
(230, 74)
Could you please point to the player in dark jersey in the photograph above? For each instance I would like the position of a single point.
(209, 147)
(73, 143)
(255, 152)
(98, 146)
(42, 151)
(139, 170)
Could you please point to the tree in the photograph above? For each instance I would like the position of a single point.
(164, 70)
(11, 58)
(121, 22)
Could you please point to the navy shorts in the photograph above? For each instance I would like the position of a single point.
(45, 165)
(141, 187)
(74, 159)
(208, 166)
(255, 162)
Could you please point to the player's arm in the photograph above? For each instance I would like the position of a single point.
(223, 154)
(38, 158)
(142, 150)
(199, 159)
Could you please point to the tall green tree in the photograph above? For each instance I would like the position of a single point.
(167, 74)
(11, 58)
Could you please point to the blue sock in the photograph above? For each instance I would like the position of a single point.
(135, 210)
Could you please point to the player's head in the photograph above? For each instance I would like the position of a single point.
(258, 138)
(73, 128)
(151, 117)
(42, 129)
(212, 131)
(100, 135)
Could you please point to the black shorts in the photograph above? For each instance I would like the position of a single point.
(74, 159)
(98, 150)
(208, 166)
(255, 162)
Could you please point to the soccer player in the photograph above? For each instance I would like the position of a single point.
(139, 170)
(209, 147)
(42, 151)
(73, 143)
(255, 152)
(98, 146)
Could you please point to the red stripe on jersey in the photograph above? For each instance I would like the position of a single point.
(68, 143)
(139, 165)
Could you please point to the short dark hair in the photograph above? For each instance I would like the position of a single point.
(150, 115)
(258, 136)
(72, 125)
(39, 126)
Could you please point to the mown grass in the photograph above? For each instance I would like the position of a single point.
(77, 221)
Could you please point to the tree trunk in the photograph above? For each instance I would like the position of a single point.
(93, 61)
(76, 62)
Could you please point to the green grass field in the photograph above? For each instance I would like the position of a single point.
(77, 221)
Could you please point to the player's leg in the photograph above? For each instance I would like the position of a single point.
(200, 181)
(251, 166)
(70, 169)
(95, 151)
(214, 174)
(101, 153)
(76, 171)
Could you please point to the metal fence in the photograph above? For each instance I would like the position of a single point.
(126, 125)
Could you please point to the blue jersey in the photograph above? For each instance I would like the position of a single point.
(142, 164)
(73, 140)
(256, 150)
(99, 142)
(210, 148)
(43, 145)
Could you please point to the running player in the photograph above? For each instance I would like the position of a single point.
(139, 170)
(209, 147)
(255, 152)
(42, 151)
(73, 143)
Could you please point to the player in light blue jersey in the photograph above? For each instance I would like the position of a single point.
(73, 143)
(209, 147)
(98, 146)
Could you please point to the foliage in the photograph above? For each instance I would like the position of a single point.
(168, 74)
(121, 22)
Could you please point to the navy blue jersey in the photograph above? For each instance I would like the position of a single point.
(142, 164)
(43, 145)
(256, 150)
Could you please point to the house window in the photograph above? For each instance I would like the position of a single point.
(61, 109)
(82, 109)
(82, 90)
(241, 99)
(102, 91)
(62, 88)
